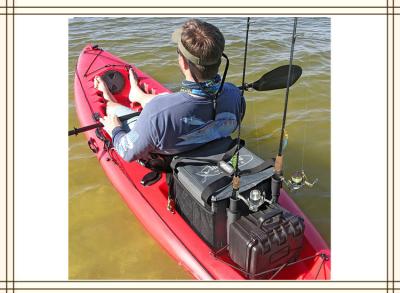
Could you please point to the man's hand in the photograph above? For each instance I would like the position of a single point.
(110, 122)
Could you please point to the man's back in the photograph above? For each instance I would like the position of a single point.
(178, 122)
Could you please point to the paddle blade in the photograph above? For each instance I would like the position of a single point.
(277, 78)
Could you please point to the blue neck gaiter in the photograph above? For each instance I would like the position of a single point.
(207, 89)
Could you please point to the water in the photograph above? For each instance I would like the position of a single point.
(105, 239)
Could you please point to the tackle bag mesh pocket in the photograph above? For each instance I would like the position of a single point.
(209, 222)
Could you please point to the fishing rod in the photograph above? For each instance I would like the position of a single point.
(236, 178)
(272, 80)
(277, 177)
(233, 210)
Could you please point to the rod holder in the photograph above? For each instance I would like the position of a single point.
(276, 185)
(232, 214)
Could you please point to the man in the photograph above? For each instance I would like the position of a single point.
(177, 122)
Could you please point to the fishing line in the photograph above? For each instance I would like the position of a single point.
(305, 129)
(304, 132)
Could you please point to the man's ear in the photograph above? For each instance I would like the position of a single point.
(185, 63)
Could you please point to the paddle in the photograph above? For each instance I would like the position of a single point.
(275, 79)
(272, 80)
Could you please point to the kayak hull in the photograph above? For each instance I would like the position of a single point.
(149, 203)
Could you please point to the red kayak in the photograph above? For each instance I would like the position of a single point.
(149, 203)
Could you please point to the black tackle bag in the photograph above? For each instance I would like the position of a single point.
(201, 189)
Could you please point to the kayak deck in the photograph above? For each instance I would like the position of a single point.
(149, 203)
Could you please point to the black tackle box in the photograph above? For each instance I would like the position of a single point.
(266, 240)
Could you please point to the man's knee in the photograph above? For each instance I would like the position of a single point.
(111, 106)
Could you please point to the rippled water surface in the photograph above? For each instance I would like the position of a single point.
(105, 239)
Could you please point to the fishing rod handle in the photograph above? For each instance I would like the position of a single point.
(236, 182)
(278, 166)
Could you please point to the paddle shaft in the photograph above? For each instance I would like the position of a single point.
(76, 131)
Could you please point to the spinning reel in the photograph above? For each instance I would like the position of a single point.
(254, 200)
(298, 180)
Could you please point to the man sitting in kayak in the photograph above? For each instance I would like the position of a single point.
(181, 121)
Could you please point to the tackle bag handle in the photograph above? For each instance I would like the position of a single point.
(225, 180)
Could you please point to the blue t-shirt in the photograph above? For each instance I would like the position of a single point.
(178, 122)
